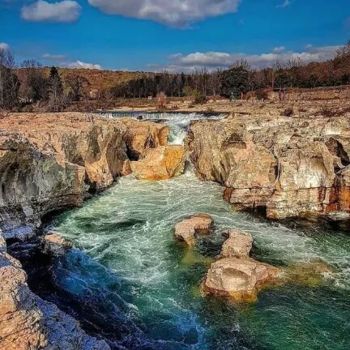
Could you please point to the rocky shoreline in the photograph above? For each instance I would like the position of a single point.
(50, 163)
(286, 167)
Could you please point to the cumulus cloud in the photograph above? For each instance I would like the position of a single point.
(174, 12)
(84, 65)
(215, 60)
(42, 11)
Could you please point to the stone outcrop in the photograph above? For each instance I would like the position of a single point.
(290, 167)
(198, 224)
(237, 245)
(239, 279)
(54, 244)
(160, 163)
(50, 162)
(237, 276)
(27, 322)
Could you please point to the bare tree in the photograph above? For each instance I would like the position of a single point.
(9, 83)
(77, 85)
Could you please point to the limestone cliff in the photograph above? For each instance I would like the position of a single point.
(51, 162)
(291, 167)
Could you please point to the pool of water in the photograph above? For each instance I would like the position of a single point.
(140, 289)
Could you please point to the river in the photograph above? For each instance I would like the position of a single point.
(130, 282)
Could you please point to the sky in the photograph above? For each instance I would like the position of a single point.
(177, 35)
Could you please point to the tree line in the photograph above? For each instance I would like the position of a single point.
(30, 84)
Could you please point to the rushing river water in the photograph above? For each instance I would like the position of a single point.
(134, 285)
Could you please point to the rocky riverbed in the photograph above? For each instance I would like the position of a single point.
(287, 167)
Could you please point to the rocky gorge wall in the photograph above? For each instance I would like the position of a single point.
(290, 167)
(49, 163)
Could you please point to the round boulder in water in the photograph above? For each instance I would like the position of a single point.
(198, 224)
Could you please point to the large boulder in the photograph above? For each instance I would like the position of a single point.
(237, 245)
(239, 279)
(160, 163)
(198, 224)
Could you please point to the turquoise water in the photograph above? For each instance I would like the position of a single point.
(139, 277)
(140, 288)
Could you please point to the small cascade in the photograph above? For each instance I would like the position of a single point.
(178, 122)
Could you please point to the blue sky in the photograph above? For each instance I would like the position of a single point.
(175, 34)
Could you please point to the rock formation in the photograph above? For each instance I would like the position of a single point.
(289, 167)
(239, 279)
(198, 224)
(160, 163)
(237, 245)
(55, 245)
(27, 322)
(51, 162)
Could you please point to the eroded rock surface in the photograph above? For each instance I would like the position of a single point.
(239, 279)
(27, 322)
(161, 163)
(55, 244)
(289, 166)
(238, 244)
(50, 162)
(198, 224)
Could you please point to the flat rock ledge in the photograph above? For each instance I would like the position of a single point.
(198, 224)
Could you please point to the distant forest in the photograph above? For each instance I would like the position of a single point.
(29, 85)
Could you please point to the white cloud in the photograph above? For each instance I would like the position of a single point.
(42, 11)
(84, 65)
(284, 4)
(215, 60)
(173, 12)
(4, 46)
(54, 57)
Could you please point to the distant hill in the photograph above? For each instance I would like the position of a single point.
(100, 80)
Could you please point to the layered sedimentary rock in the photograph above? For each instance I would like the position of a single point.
(160, 163)
(289, 166)
(51, 162)
(28, 322)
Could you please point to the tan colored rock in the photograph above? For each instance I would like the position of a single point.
(141, 136)
(290, 167)
(55, 244)
(239, 279)
(160, 163)
(49, 162)
(198, 224)
(237, 245)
